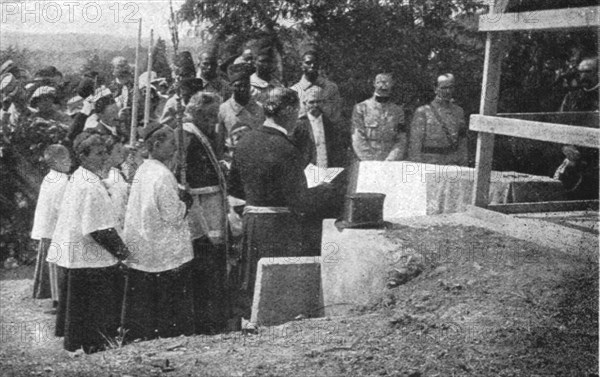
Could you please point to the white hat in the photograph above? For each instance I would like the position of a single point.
(143, 80)
(8, 84)
(42, 91)
(100, 92)
(74, 105)
(154, 80)
(7, 66)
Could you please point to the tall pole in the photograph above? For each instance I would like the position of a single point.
(136, 92)
(181, 155)
(148, 91)
(173, 27)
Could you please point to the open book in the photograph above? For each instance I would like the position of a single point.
(316, 176)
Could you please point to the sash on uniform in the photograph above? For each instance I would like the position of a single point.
(208, 214)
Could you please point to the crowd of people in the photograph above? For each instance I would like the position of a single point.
(160, 236)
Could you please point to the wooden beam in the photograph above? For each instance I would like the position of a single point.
(484, 156)
(494, 50)
(558, 206)
(543, 233)
(557, 133)
(541, 20)
(589, 119)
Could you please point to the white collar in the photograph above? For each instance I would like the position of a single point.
(269, 123)
(313, 118)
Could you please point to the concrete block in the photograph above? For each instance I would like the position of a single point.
(285, 288)
(355, 264)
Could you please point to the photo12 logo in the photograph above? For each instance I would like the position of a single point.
(68, 11)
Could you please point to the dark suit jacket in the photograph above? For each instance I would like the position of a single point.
(268, 170)
(337, 142)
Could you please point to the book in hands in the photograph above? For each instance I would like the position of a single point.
(317, 176)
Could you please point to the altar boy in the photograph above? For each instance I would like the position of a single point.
(58, 159)
(158, 292)
(86, 244)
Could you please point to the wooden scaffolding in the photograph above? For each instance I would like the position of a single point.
(581, 129)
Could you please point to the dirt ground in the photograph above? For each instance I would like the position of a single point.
(485, 305)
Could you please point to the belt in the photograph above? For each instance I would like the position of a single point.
(205, 190)
(256, 209)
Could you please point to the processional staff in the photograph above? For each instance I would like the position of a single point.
(136, 92)
(149, 78)
(173, 27)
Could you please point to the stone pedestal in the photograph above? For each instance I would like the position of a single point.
(285, 288)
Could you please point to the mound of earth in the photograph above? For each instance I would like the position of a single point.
(484, 305)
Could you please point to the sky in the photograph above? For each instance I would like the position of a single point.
(83, 16)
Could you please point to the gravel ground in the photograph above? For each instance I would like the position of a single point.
(484, 305)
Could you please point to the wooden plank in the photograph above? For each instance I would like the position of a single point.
(541, 20)
(543, 233)
(494, 47)
(560, 133)
(589, 119)
(585, 221)
(573, 205)
(484, 155)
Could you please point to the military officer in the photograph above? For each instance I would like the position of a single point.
(438, 130)
(378, 125)
(239, 110)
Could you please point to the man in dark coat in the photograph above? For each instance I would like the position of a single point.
(323, 142)
(268, 172)
(207, 216)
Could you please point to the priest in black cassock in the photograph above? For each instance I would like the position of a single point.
(207, 217)
(268, 172)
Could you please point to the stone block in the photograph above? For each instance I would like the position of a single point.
(355, 264)
(285, 288)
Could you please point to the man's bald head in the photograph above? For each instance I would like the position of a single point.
(444, 88)
(313, 99)
(446, 78)
(588, 72)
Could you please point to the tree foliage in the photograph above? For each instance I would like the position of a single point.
(21, 57)
(415, 39)
(160, 62)
(100, 65)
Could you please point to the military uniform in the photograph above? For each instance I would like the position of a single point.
(438, 134)
(231, 114)
(169, 113)
(378, 131)
(330, 96)
(216, 85)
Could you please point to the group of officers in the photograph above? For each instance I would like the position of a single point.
(178, 221)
